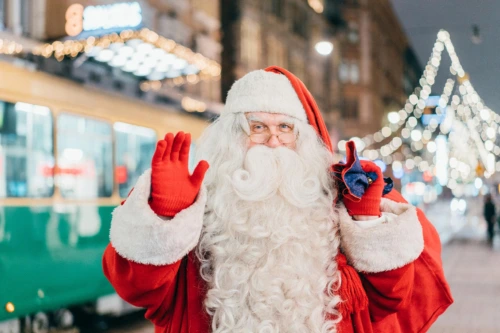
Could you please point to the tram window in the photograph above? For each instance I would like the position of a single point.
(135, 146)
(84, 157)
(26, 151)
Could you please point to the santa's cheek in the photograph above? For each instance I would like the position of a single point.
(291, 146)
(251, 144)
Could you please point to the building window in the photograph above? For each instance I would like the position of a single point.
(350, 109)
(353, 33)
(354, 72)
(344, 72)
(299, 20)
(134, 150)
(276, 52)
(278, 8)
(84, 157)
(250, 44)
(349, 72)
(26, 151)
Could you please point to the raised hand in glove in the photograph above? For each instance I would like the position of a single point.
(361, 184)
(172, 187)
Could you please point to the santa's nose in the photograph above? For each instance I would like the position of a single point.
(273, 141)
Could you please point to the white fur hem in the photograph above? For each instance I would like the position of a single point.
(392, 244)
(139, 235)
(261, 91)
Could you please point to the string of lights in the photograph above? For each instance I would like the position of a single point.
(143, 53)
(460, 115)
(10, 47)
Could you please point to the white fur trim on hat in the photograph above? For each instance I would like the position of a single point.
(389, 245)
(261, 91)
(139, 235)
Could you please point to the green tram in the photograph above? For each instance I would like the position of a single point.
(68, 156)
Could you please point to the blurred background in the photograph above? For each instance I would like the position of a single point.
(88, 87)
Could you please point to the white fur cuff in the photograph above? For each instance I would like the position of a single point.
(139, 235)
(392, 244)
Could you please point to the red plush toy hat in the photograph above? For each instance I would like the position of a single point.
(276, 90)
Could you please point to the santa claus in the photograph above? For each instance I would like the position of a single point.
(258, 242)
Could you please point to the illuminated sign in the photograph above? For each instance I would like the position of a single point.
(119, 15)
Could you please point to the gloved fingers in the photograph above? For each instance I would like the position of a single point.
(184, 152)
(159, 151)
(176, 146)
(169, 138)
(199, 173)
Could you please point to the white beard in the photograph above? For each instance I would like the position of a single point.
(269, 241)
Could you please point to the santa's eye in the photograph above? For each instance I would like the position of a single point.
(286, 128)
(258, 128)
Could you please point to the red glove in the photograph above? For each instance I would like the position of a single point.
(172, 187)
(369, 204)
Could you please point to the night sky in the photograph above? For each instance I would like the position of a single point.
(422, 19)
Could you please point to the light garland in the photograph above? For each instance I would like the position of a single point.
(72, 48)
(192, 79)
(416, 102)
(471, 126)
(10, 47)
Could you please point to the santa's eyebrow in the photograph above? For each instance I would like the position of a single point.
(254, 118)
(287, 120)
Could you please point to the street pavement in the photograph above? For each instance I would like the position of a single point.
(472, 268)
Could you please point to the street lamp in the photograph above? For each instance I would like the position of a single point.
(324, 48)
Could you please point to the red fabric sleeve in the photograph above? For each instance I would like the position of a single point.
(169, 293)
(146, 286)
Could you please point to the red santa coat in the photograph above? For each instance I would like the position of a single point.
(151, 264)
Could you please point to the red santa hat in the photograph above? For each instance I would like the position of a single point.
(276, 90)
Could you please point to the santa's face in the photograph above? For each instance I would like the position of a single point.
(271, 129)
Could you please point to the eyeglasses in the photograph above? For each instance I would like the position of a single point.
(284, 138)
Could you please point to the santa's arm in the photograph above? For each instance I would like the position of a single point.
(144, 258)
(145, 286)
(383, 252)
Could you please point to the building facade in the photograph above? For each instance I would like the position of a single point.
(378, 69)
(257, 34)
(194, 26)
(370, 72)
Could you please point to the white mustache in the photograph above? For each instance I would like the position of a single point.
(259, 179)
(267, 171)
